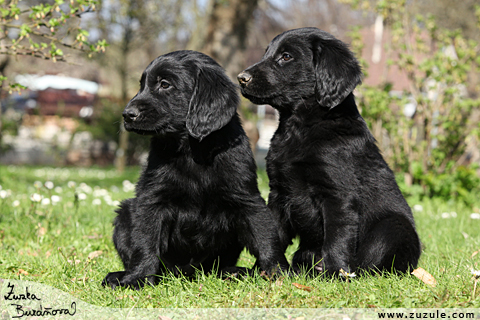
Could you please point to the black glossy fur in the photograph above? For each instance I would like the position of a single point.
(329, 183)
(197, 202)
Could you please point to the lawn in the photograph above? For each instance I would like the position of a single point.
(56, 227)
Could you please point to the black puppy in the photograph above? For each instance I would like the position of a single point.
(197, 202)
(329, 183)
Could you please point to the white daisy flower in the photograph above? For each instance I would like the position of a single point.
(476, 273)
(16, 203)
(100, 193)
(36, 197)
(346, 274)
(82, 196)
(85, 187)
(475, 216)
(49, 185)
(418, 208)
(108, 200)
(96, 202)
(128, 186)
(3, 194)
(45, 201)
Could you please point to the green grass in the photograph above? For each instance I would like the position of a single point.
(50, 244)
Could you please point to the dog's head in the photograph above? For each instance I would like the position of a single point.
(179, 91)
(302, 64)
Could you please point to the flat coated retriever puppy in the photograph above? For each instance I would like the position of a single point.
(329, 183)
(197, 201)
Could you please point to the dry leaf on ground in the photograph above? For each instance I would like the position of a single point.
(426, 277)
(301, 286)
(21, 271)
(41, 231)
(94, 254)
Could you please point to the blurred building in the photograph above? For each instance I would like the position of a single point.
(59, 95)
(46, 114)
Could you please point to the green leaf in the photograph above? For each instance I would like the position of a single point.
(25, 30)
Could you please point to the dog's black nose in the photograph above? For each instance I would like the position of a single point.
(244, 78)
(130, 114)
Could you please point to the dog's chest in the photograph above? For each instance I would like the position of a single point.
(290, 155)
(193, 235)
(302, 169)
(194, 207)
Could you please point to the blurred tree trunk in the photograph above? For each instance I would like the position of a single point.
(227, 27)
(3, 66)
(173, 43)
(121, 153)
(125, 48)
(225, 40)
(137, 32)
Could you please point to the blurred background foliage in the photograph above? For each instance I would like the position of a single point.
(420, 95)
(434, 143)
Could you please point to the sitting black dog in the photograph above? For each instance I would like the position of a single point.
(197, 202)
(329, 183)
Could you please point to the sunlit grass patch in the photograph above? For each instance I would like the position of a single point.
(66, 242)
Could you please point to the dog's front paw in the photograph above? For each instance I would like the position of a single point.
(122, 279)
(277, 271)
(113, 279)
(235, 272)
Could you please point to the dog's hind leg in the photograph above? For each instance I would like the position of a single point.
(391, 245)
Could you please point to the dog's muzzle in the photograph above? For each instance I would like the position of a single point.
(244, 78)
(130, 114)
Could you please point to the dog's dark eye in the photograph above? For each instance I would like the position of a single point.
(164, 84)
(286, 57)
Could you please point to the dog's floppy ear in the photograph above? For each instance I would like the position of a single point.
(337, 72)
(213, 104)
